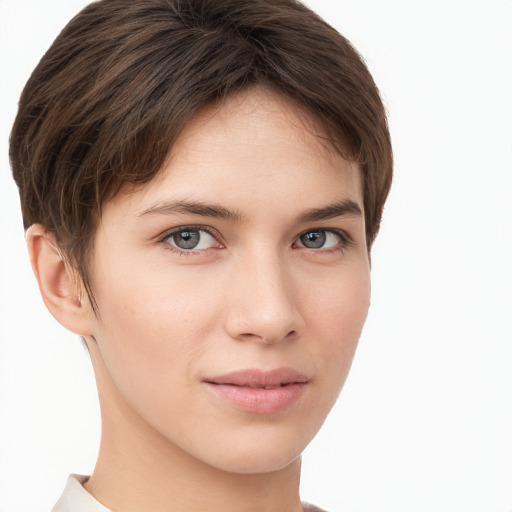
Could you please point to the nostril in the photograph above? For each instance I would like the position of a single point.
(269, 338)
(263, 324)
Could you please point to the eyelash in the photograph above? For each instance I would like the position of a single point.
(345, 240)
(164, 240)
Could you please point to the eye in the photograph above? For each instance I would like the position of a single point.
(190, 239)
(321, 239)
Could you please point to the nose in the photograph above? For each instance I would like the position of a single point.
(263, 304)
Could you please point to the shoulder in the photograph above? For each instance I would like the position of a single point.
(308, 507)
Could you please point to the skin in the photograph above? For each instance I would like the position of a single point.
(251, 295)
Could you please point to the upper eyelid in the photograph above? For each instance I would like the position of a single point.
(164, 240)
(345, 241)
(211, 231)
(345, 237)
(340, 232)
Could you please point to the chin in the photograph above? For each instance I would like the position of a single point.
(263, 452)
(257, 463)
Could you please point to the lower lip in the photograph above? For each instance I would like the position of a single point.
(258, 400)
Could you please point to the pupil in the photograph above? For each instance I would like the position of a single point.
(187, 239)
(313, 239)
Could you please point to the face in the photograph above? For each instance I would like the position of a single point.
(233, 288)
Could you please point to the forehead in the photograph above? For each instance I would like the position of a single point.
(254, 144)
(257, 117)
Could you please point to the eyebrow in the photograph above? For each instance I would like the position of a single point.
(341, 208)
(194, 208)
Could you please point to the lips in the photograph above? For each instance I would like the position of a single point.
(258, 391)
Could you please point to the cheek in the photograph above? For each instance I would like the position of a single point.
(149, 325)
(348, 306)
(339, 302)
(337, 316)
(154, 298)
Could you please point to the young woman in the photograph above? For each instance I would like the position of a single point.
(201, 183)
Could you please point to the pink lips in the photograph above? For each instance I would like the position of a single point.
(257, 391)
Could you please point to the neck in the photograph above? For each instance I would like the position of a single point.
(139, 469)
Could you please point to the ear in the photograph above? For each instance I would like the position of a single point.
(57, 283)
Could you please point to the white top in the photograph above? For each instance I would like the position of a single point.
(76, 499)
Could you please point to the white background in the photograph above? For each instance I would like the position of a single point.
(425, 420)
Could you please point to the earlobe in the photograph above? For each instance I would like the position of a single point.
(56, 281)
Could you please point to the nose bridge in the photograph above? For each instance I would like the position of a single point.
(264, 306)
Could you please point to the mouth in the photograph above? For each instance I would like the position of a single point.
(257, 387)
(260, 379)
(258, 391)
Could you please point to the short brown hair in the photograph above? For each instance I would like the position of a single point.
(106, 102)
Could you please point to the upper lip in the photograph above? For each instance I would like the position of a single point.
(255, 378)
